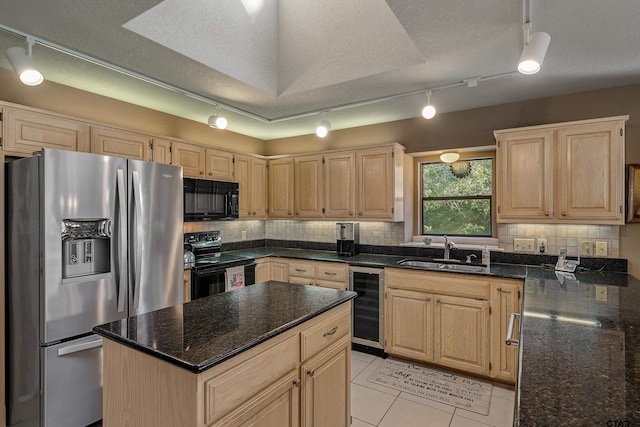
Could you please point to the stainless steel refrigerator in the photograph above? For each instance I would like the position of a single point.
(90, 239)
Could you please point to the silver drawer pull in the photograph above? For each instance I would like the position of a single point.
(80, 347)
(301, 270)
(330, 274)
(510, 341)
(331, 332)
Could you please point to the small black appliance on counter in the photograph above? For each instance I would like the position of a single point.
(348, 238)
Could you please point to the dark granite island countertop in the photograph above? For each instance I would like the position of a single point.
(205, 332)
(579, 350)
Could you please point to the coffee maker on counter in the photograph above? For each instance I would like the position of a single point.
(348, 238)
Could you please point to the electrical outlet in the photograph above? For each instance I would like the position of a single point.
(586, 248)
(601, 248)
(523, 245)
(601, 293)
(244, 235)
(542, 245)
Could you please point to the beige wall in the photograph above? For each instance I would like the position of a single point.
(96, 108)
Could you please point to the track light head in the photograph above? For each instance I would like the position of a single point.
(323, 128)
(218, 121)
(535, 49)
(22, 63)
(429, 112)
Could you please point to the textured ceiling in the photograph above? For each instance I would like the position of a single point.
(277, 59)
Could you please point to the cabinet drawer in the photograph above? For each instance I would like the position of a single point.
(223, 392)
(301, 280)
(301, 269)
(326, 332)
(342, 286)
(332, 272)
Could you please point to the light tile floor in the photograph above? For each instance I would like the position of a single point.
(376, 405)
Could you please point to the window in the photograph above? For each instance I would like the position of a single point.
(456, 198)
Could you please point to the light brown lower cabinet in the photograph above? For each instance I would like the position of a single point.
(298, 378)
(271, 269)
(453, 320)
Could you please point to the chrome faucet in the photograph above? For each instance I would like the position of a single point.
(448, 245)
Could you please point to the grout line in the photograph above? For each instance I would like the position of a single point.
(387, 411)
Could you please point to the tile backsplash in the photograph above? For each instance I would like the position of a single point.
(558, 236)
(392, 233)
(371, 233)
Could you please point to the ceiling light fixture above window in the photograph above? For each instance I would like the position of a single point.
(535, 45)
(429, 111)
(449, 156)
(22, 63)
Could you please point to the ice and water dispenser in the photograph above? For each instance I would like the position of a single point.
(347, 238)
(85, 247)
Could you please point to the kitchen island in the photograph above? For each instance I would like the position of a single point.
(272, 353)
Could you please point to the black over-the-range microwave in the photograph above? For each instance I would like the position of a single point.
(210, 200)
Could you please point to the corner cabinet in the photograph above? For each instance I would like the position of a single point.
(562, 173)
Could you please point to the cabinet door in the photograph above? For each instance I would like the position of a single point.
(375, 183)
(277, 406)
(28, 131)
(191, 157)
(309, 183)
(279, 271)
(281, 188)
(505, 299)
(219, 165)
(187, 285)
(591, 172)
(340, 185)
(409, 324)
(120, 143)
(242, 175)
(525, 163)
(263, 270)
(461, 333)
(258, 182)
(322, 376)
(161, 150)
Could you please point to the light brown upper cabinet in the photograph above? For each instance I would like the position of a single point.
(219, 164)
(251, 175)
(308, 200)
(281, 188)
(27, 131)
(201, 162)
(379, 177)
(340, 184)
(120, 143)
(161, 150)
(562, 173)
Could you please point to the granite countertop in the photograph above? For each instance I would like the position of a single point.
(580, 350)
(205, 332)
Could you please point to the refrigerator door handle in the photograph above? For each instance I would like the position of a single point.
(79, 347)
(121, 283)
(137, 241)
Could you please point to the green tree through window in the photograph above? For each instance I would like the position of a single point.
(457, 206)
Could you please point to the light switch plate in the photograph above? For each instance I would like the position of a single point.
(601, 248)
(524, 245)
(244, 235)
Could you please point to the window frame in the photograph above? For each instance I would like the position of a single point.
(492, 198)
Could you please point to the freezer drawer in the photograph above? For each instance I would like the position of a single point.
(72, 381)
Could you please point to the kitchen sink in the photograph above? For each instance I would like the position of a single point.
(440, 265)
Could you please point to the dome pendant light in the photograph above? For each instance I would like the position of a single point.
(22, 63)
(429, 112)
